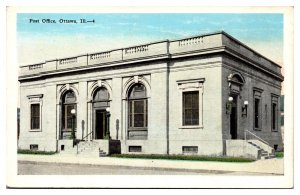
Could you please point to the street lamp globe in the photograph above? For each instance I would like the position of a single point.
(73, 111)
(107, 109)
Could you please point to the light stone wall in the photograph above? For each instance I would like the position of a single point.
(116, 109)
(81, 109)
(157, 102)
(209, 137)
(157, 119)
(45, 137)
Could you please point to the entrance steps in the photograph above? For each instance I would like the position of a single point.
(264, 149)
(254, 149)
(85, 149)
(90, 149)
(263, 153)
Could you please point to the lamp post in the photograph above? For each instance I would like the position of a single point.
(244, 108)
(229, 105)
(107, 118)
(73, 112)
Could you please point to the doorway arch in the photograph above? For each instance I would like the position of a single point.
(68, 119)
(236, 82)
(100, 106)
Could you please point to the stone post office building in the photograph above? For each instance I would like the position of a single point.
(204, 95)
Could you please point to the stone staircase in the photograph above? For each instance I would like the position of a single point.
(85, 149)
(264, 153)
(90, 149)
(102, 153)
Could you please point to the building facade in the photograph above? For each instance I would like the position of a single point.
(204, 95)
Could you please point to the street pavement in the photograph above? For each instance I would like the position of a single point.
(42, 168)
(74, 165)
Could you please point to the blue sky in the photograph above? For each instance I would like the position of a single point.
(39, 42)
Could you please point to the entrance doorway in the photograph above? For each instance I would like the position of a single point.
(233, 118)
(100, 124)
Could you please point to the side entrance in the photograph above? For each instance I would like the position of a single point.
(101, 124)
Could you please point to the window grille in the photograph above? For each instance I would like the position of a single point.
(190, 108)
(135, 148)
(35, 116)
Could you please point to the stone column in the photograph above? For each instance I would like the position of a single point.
(81, 110)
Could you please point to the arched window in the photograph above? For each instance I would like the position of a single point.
(101, 95)
(137, 107)
(68, 126)
(236, 78)
(236, 82)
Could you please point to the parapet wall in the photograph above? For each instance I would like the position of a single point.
(197, 45)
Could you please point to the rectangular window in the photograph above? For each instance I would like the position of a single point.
(34, 147)
(256, 113)
(274, 112)
(190, 108)
(138, 113)
(257, 109)
(35, 116)
(68, 119)
(135, 148)
(274, 117)
(189, 149)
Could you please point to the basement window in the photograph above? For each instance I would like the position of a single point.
(189, 149)
(135, 148)
(34, 147)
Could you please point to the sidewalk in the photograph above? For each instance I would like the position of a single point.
(270, 166)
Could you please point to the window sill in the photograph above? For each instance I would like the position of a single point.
(35, 130)
(275, 131)
(257, 129)
(191, 127)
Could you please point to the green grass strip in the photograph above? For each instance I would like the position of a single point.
(35, 152)
(279, 154)
(182, 157)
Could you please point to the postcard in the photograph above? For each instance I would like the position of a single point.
(150, 97)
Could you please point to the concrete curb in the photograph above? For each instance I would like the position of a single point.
(270, 166)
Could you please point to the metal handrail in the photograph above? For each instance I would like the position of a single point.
(87, 135)
(247, 131)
